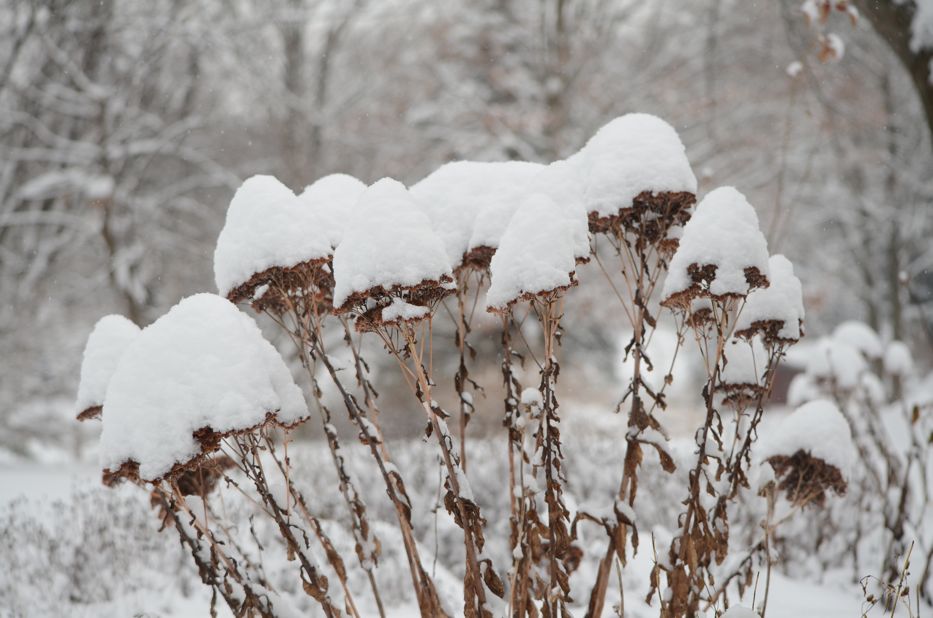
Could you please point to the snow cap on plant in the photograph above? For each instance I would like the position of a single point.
(105, 346)
(333, 199)
(199, 373)
(775, 312)
(562, 182)
(456, 193)
(637, 177)
(898, 360)
(507, 185)
(391, 252)
(535, 257)
(836, 362)
(271, 244)
(743, 377)
(811, 452)
(860, 336)
(722, 254)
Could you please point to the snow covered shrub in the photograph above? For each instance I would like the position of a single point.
(887, 409)
(200, 406)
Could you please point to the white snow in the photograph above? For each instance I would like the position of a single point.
(104, 348)
(723, 231)
(817, 428)
(504, 188)
(737, 611)
(399, 310)
(835, 359)
(898, 360)
(802, 389)
(745, 362)
(532, 397)
(921, 29)
(836, 46)
(536, 254)
(392, 243)
(860, 336)
(333, 199)
(456, 193)
(794, 68)
(202, 364)
(562, 181)
(629, 155)
(782, 300)
(266, 226)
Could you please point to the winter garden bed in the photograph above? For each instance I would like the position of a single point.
(198, 408)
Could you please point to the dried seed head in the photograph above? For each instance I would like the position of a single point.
(806, 479)
(276, 289)
(721, 255)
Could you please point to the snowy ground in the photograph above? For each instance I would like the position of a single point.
(151, 577)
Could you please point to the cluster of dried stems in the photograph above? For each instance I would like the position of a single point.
(892, 488)
(632, 249)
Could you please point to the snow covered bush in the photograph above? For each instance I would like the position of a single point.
(200, 406)
(886, 406)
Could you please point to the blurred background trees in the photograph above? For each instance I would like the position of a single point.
(126, 126)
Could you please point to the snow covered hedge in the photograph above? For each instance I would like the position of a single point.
(199, 403)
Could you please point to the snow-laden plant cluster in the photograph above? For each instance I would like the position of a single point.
(886, 404)
(199, 404)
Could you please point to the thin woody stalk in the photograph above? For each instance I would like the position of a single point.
(469, 517)
(308, 327)
(426, 593)
(548, 440)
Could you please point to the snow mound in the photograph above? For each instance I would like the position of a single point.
(333, 198)
(105, 346)
(400, 311)
(536, 254)
(832, 359)
(391, 244)
(860, 336)
(817, 428)
(898, 360)
(745, 363)
(630, 155)
(202, 364)
(267, 226)
(505, 188)
(737, 611)
(454, 195)
(781, 301)
(722, 233)
(562, 182)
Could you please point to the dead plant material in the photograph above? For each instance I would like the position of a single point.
(89, 413)
(805, 479)
(268, 290)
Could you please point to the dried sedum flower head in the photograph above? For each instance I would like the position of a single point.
(271, 244)
(454, 195)
(390, 252)
(722, 254)
(811, 452)
(536, 256)
(775, 312)
(200, 372)
(333, 200)
(743, 377)
(105, 346)
(637, 177)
